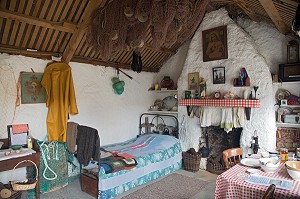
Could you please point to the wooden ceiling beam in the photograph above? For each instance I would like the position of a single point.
(61, 26)
(107, 63)
(163, 50)
(243, 5)
(30, 53)
(273, 13)
(81, 29)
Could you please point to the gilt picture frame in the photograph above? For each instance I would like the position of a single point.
(193, 81)
(32, 90)
(214, 43)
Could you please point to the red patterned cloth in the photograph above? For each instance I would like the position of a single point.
(220, 102)
(229, 185)
(19, 128)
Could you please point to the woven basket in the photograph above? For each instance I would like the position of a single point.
(191, 162)
(23, 185)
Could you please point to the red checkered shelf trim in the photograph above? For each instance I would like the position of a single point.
(220, 102)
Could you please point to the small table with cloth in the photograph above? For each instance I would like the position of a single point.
(230, 185)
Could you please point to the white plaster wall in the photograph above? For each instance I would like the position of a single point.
(242, 52)
(116, 117)
(174, 65)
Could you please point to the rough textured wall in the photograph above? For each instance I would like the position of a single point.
(174, 65)
(116, 117)
(242, 52)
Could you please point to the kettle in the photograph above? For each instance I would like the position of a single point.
(204, 152)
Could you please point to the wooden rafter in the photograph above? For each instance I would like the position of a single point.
(273, 13)
(81, 29)
(243, 5)
(16, 51)
(61, 26)
(108, 63)
(163, 50)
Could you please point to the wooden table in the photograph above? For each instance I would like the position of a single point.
(231, 184)
(9, 164)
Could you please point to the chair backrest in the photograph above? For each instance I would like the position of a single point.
(232, 156)
(269, 194)
(17, 134)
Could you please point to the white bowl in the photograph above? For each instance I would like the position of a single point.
(265, 154)
(269, 165)
(294, 174)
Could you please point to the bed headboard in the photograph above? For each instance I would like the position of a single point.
(158, 123)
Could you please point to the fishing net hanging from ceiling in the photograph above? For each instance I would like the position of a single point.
(126, 24)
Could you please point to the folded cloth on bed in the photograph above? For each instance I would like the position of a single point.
(117, 163)
(88, 144)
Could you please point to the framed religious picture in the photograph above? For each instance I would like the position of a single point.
(32, 90)
(219, 75)
(193, 81)
(214, 42)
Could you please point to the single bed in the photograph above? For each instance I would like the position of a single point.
(156, 155)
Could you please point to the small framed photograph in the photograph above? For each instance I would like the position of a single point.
(214, 43)
(193, 80)
(219, 75)
(283, 102)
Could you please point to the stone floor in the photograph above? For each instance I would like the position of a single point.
(72, 190)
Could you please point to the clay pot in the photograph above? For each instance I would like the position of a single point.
(167, 82)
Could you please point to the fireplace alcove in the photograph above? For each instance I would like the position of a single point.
(218, 140)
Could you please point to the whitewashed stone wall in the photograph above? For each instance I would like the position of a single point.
(248, 48)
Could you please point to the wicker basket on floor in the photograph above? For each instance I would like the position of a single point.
(190, 161)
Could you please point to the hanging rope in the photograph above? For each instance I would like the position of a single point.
(48, 157)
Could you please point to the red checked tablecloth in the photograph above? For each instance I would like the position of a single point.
(220, 102)
(229, 185)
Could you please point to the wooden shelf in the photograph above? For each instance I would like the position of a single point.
(220, 102)
(281, 124)
(164, 91)
(164, 112)
(282, 83)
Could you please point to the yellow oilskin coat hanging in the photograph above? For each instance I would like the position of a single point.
(58, 83)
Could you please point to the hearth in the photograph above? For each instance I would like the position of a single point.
(217, 140)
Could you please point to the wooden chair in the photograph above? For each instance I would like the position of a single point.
(269, 194)
(232, 156)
